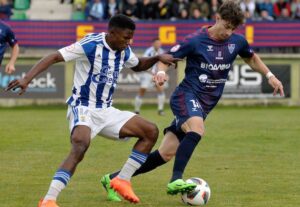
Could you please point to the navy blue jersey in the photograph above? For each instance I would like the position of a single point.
(7, 36)
(208, 62)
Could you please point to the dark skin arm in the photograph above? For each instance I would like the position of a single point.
(38, 68)
(147, 62)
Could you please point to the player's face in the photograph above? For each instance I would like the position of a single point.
(156, 44)
(121, 38)
(224, 28)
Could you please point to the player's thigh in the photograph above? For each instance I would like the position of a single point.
(139, 127)
(194, 124)
(81, 135)
(114, 121)
(168, 146)
(80, 122)
(187, 110)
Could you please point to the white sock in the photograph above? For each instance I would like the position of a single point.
(138, 103)
(59, 182)
(134, 162)
(55, 188)
(161, 100)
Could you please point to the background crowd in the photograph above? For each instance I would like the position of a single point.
(96, 10)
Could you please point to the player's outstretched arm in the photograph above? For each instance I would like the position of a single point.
(10, 67)
(161, 77)
(257, 65)
(41, 66)
(147, 62)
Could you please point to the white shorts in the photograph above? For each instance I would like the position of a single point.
(105, 122)
(146, 80)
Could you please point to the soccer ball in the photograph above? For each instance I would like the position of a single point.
(199, 196)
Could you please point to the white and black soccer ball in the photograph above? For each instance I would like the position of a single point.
(200, 195)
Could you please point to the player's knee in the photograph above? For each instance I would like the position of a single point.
(79, 147)
(152, 133)
(167, 156)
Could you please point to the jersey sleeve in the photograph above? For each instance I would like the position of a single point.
(72, 51)
(183, 49)
(245, 51)
(10, 37)
(131, 59)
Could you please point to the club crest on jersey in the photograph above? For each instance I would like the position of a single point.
(210, 48)
(175, 48)
(231, 48)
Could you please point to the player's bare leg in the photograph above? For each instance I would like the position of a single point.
(147, 134)
(138, 101)
(161, 97)
(80, 140)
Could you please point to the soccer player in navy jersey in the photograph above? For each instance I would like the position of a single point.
(7, 37)
(210, 53)
(99, 59)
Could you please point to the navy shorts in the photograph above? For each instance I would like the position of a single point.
(185, 105)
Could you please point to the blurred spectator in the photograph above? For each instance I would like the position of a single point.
(96, 11)
(248, 7)
(295, 8)
(264, 16)
(5, 10)
(285, 15)
(131, 8)
(162, 9)
(66, 1)
(146, 10)
(112, 8)
(266, 5)
(177, 7)
(278, 6)
(184, 14)
(202, 6)
(79, 5)
(214, 6)
(196, 14)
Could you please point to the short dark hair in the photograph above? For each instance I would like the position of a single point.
(155, 39)
(231, 12)
(121, 21)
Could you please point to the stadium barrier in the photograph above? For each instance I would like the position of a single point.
(57, 34)
(244, 86)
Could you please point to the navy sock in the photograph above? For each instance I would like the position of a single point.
(153, 161)
(183, 154)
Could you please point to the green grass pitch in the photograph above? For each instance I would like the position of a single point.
(250, 156)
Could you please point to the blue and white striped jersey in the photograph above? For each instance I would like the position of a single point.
(97, 70)
(150, 52)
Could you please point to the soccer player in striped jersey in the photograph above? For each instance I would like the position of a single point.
(99, 59)
(209, 53)
(146, 81)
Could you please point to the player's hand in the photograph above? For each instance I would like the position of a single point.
(277, 85)
(160, 78)
(10, 68)
(169, 59)
(17, 84)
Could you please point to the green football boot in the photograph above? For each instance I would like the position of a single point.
(111, 194)
(180, 186)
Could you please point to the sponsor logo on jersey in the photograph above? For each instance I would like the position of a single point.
(215, 66)
(203, 78)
